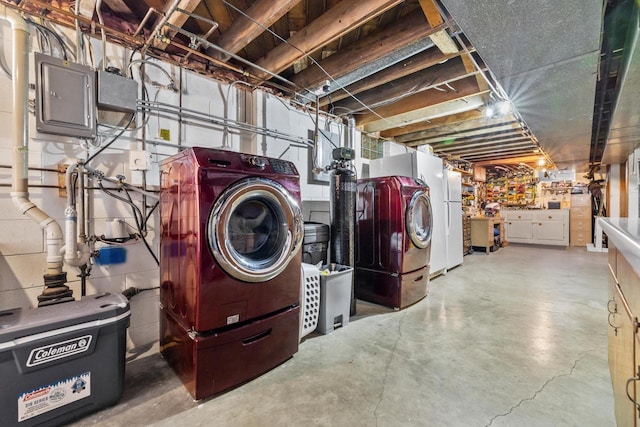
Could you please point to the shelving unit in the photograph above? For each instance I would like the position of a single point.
(512, 192)
(468, 192)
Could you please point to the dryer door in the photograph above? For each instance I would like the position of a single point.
(419, 220)
(255, 228)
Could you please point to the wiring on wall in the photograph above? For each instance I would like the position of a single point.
(140, 219)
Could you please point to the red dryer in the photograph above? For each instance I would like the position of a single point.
(393, 240)
(230, 260)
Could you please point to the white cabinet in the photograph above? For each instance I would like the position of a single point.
(543, 227)
(518, 226)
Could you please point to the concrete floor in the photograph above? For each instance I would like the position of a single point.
(514, 338)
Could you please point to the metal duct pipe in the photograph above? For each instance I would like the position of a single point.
(19, 182)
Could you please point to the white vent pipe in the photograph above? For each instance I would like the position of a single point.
(19, 184)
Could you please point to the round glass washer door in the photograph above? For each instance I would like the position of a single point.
(419, 220)
(255, 229)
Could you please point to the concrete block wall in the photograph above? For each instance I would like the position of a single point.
(22, 242)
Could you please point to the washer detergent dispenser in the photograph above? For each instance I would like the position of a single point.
(232, 230)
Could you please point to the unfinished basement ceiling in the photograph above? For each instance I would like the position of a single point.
(415, 71)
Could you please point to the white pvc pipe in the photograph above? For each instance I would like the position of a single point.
(19, 182)
(75, 253)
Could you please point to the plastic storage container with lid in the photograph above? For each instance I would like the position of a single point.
(62, 361)
(315, 243)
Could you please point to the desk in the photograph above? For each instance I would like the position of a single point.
(482, 234)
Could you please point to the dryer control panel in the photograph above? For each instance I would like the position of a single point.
(283, 166)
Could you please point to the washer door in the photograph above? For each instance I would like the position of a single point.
(419, 220)
(255, 228)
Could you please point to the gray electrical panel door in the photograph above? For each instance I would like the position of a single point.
(65, 98)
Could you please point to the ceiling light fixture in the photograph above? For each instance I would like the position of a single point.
(498, 109)
(542, 162)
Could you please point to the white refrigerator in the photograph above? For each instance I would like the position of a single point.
(429, 169)
(453, 207)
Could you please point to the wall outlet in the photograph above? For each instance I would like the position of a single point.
(138, 160)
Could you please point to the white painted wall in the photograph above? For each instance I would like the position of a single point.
(614, 179)
(22, 256)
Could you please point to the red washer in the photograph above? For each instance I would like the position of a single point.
(393, 240)
(232, 228)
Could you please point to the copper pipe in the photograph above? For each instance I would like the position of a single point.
(160, 24)
(123, 36)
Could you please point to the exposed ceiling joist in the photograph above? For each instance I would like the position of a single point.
(440, 76)
(458, 131)
(434, 123)
(379, 48)
(460, 90)
(425, 59)
(447, 107)
(499, 143)
(441, 38)
(245, 30)
(334, 23)
(470, 151)
(509, 160)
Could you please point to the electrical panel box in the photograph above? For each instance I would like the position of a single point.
(65, 97)
(116, 92)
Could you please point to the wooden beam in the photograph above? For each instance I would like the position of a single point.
(470, 66)
(507, 140)
(433, 123)
(511, 161)
(458, 130)
(521, 145)
(245, 30)
(453, 106)
(376, 45)
(463, 88)
(498, 157)
(402, 88)
(220, 14)
(176, 18)
(425, 59)
(442, 39)
(431, 12)
(461, 147)
(337, 21)
(470, 135)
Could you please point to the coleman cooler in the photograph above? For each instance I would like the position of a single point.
(60, 362)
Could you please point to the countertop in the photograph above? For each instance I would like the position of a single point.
(625, 235)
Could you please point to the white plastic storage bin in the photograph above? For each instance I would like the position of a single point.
(310, 299)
